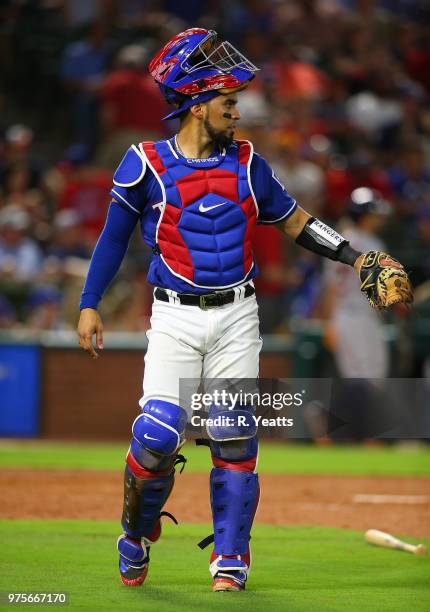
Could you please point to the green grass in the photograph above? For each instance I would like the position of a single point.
(295, 569)
(273, 458)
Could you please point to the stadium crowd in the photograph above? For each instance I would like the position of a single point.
(341, 102)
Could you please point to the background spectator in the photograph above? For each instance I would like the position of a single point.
(20, 257)
(131, 110)
(82, 70)
(341, 102)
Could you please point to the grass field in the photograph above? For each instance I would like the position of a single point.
(295, 569)
(273, 458)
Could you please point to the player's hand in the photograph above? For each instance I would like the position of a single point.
(89, 324)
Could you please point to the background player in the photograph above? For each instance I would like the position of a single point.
(357, 330)
(198, 197)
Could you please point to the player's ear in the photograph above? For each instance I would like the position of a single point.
(197, 111)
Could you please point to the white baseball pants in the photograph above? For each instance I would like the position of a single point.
(186, 342)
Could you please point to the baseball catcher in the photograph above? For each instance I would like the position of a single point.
(197, 197)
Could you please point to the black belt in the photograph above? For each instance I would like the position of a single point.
(207, 300)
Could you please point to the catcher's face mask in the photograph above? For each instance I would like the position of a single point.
(198, 61)
(213, 52)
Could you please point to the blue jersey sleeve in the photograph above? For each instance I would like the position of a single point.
(129, 181)
(274, 202)
(108, 254)
(131, 198)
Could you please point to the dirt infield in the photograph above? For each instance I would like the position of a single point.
(398, 505)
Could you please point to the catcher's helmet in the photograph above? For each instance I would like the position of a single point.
(196, 65)
(364, 200)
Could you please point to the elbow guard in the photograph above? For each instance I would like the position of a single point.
(320, 238)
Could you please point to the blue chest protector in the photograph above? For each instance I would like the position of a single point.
(208, 214)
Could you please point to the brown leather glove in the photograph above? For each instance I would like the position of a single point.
(384, 280)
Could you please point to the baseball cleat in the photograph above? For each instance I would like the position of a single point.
(133, 560)
(229, 572)
(227, 584)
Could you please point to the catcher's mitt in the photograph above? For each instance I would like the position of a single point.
(384, 280)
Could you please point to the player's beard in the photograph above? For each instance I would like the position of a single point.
(219, 138)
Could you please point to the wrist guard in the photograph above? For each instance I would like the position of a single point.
(320, 238)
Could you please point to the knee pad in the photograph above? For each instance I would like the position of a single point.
(237, 454)
(232, 436)
(224, 425)
(158, 433)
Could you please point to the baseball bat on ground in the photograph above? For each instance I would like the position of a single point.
(380, 538)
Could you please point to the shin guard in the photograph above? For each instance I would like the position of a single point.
(144, 497)
(234, 498)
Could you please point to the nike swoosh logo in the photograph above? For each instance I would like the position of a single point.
(203, 208)
(150, 437)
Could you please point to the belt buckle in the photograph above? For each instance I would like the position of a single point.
(204, 301)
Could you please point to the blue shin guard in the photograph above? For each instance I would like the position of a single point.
(144, 496)
(234, 495)
(158, 433)
(234, 498)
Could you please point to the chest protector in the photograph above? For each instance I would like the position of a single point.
(208, 214)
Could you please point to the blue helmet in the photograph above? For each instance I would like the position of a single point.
(195, 65)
